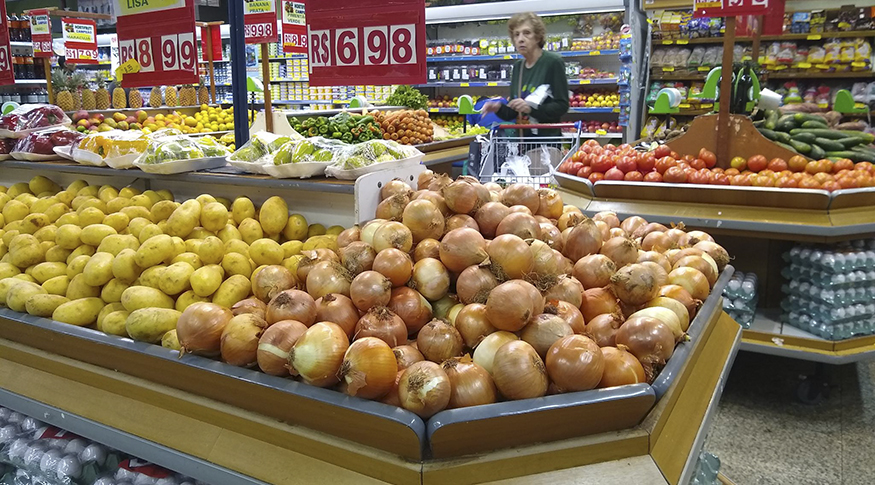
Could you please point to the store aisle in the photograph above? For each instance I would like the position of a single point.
(763, 435)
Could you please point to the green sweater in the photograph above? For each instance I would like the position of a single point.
(549, 69)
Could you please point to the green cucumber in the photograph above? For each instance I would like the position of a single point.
(770, 134)
(804, 137)
(815, 124)
(783, 136)
(816, 152)
(801, 118)
(784, 145)
(855, 156)
(785, 123)
(829, 145)
(867, 137)
(819, 132)
(772, 119)
(850, 141)
(800, 146)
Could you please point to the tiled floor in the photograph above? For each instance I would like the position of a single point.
(764, 435)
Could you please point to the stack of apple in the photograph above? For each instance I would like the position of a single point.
(596, 163)
(593, 73)
(97, 122)
(594, 99)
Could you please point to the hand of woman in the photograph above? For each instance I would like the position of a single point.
(520, 106)
(491, 107)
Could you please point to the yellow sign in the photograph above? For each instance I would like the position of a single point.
(259, 6)
(601, 132)
(464, 85)
(433, 110)
(858, 64)
(706, 106)
(667, 69)
(683, 106)
(704, 68)
(683, 41)
(822, 66)
(595, 53)
(804, 65)
(39, 24)
(667, 42)
(131, 7)
(128, 67)
(814, 37)
(586, 81)
(616, 110)
(492, 84)
(508, 57)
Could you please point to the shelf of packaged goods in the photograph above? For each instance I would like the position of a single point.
(297, 102)
(820, 75)
(290, 80)
(147, 109)
(608, 109)
(492, 84)
(281, 59)
(768, 38)
(587, 82)
(767, 335)
(505, 57)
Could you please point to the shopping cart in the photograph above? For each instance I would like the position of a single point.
(525, 160)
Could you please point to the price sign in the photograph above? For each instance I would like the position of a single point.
(7, 72)
(160, 37)
(732, 8)
(294, 27)
(215, 37)
(41, 33)
(260, 22)
(348, 38)
(80, 40)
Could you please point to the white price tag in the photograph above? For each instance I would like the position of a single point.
(347, 47)
(403, 43)
(5, 64)
(126, 51)
(169, 53)
(376, 46)
(187, 52)
(143, 52)
(320, 48)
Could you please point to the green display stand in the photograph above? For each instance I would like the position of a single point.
(844, 103)
(466, 105)
(358, 102)
(254, 85)
(662, 106)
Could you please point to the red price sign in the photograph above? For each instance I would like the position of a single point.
(80, 40)
(294, 27)
(260, 22)
(260, 33)
(41, 33)
(162, 41)
(347, 41)
(215, 37)
(733, 8)
(7, 72)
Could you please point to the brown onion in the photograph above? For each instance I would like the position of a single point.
(489, 216)
(274, 346)
(427, 248)
(271, 280)
(459, 221)
(199, 328)
(392, 208)
(431, 278)
(461, 197)
(551, 235)
(425, 179)
(648, 339)
(544, 330)
(439, 181)
(510, 257)
(318, 354)
(473, 325)
(674, 255)
(621, 251)
(583, 240)
(609, 218)
(569, 219)
(567, 289)
(692, 280)
(631, 224)
(675, 234)
(634, 284)
(311, 259)
(357, 256)
(439, 341)
(695, 237)
(484, 354)
(348, 236)
(393, 234)
(656, 241)
(653, 256)
(597, 301)
(575, 363)
(548, 265)
(617, 232)
(510, 305)
(413, 309)
(470, 384)
(699, 263)
(384, 324)
(474, 284)
(368, 369)
(523, 225)
(370, 228)
(658, 271)
(521, 209)
(594, 271)
(680, 294)
(395, 265)
(716, 251)
(249, 305)
(328, 277)
(461, 248)
(647, 229)
(370, 289)
(392, 397)
(239, 344)
(424, 220)
(621, 368)
(549, 204)
(603, 329)
(521, 194)
(604, 230)
(424, 389)
(407, 355)
(435, 198)
(519, 372)
(395, 187)
(339, 309)
(675, 306)
(291, 305)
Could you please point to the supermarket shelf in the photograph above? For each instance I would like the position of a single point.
(156, 453)
(281, 59)
(490, 84)
(503, 57)
(719, 40)
(145, 108)
(297, 101)
(215, 61)
(289, 80)
(504, 10)
(767, 335)
(607, 136)
(443, 110)
(820, 75)
(587, 82)
(594, 110)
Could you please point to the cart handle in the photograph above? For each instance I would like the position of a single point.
(541, 125)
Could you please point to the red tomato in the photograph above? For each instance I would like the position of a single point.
(762, 181)
(576, 157)
(633, 176)
(831, 186)
(584, 172)
(812, 167)
(689, 158)
(867, 166)
(733, 171)
(586, 149)
(848, 182)
(797, 163)
(675, 175)
(675, 155)
(700, 177)
(866, 181)
(592, 143)
(721, 179)
(602, 164)
(627, 164)
(564, 166)
(717, 170)
(653, 177)
(809, 183)
(575, 167)
(614, 174)
(596, 176)
(661, 151)
(842, 164)
(768, 173)
(777, 165)
(646, 162)
(757, 163)
(698, 164)
(708, 157)
(823, 177)
(786, 183)
(665, 163)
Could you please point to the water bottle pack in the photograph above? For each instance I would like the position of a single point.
(740, 298)
(839, 258)
(826, 279)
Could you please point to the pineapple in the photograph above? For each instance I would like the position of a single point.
(203, 94)
(78, 82)
(170, 96)
(155, 100)
(187, 96)
(101, 97)
(135, 99)
(119, 100)
(89, 101)
(63, 97)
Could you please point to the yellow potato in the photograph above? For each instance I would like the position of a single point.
(79, 201)
(8, 270)
(71, 218)
(149, 231)
(162, 210)
(9, 234)
(107, 193)
(234, 289)
(34, 222)
(137, 225)
(17, 295)
(79, 289)
(151, 277)
(128, 192)
(317, 242)
(91, 215)
(178, 248)
(46, 271)
(237, 246)
(45, 246)
(255, 272)
(81, 312)
(251, 230)
(242, 208)
(153, 196)
(27, 199)
(90, 191)
(40, 184)
(47, 233)
(5, 285)
(25, 250)
(214, 216)
(165, 194)
(117, 204)
(181, 222)
(17, 189)
(150, 324)
(175, 278)
(83, 250)
(55, 211)
(205, 199)
(117, 221)
(114, 323)
(15, 211)
(44, 305)
(98, 271)
(135, 211)
(109, 308)
(206, 280)
(228, 233)
(76, 265)
(171, 341)
(237, 264)
(42, 204)
(92, 235)
(200, 233)
(291, 263)
(124, 266)
(291, 248)
(113, 290)
(316, 230)
(296, 228)
(137, 297)
(193, 245)
(189, 298)
(77, 185)
(274, 215)
(212, 250)
(66, 197)
(266, 252)
(115, 243)
(57, 285)
(143, 201)
(155, 250)
(191, 258)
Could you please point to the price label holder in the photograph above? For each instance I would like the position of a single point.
(492, 84)
(667, 69)
(667, 42)
(80, 40)
(616, 110)
(595, 53)
(294, 26)
(822, 66)
(683, 41)
(804, 65)
(7, 71)
(601, 132)
(684, 106)
(41, 33)
(814, 37)
(858, 64)
(704, 69)
(586, 81)
(130, 67)
(260, 22)
(706, 106)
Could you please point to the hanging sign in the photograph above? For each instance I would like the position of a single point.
(356, 42)
(294, 27)
(41, 33)
(160, 35)
(731, 8)
(7, 71)
(260, 22)
(215, 34)
(80, 40)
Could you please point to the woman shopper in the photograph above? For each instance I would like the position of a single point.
(539, 73)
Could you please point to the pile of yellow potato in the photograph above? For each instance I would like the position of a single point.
(129, 263)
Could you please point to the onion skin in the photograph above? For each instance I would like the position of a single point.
(459, 221)
(551, 235)
(368, 369)
(393, 234)
(657, 241)
(425, 179)
(249, 305)
(318, 354)
(549, 204)
(648, 339)
(692, 280)
(583, 240)
(474, 284)
(384, 324)
(424, 220)
(569, 219)
(427, 248)
(716, 251)
(484, 354)
(200, 327)
(634, 284)
(413, 309)
(597, 301)
(677, 307)
(338, 309)
(395, 187)
(395, 265)
(431, 278)
(357, 257)
(473, 325)
(370, 289)
(609, 218)
(510, 257)
(270, 281)
(594, 271)
(391, 398)
(621, 251)
(275, 344)
(461, 197)
(328, 277)
(575, 363)
(292, 305)
(349, 236)
(699, 263)
(621, 368)
(568, 289)
(392, 208)
(406, 355)
(666, 316)
(603, 329)
(435, 198)
(461, 248)
(658, 258)
(631, 224)
(568, 312)
(470, 384)
(521, 194)
(240, 339)
(680, 294)
(646, 229)
(439, 341)
(543, 331)
(519, 224)
(518, 371)
(510, 306)
(424, 389)
(489, 216)
(658, 272)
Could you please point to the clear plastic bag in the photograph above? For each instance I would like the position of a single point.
(180, 147)
(260, 144)
(115, 143)
(6, 146)
(29, 117)
(816, 54)
(317, 149)
(696, 58)
(374, 152)
(40, 145)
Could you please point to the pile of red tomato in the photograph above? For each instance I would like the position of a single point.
(595, 163)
